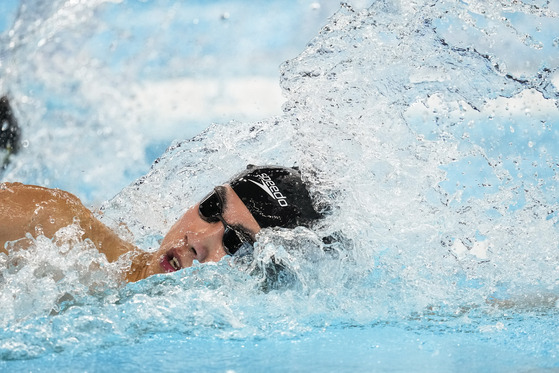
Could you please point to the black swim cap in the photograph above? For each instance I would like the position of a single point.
(276, 196)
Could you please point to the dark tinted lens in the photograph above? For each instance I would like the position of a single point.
(234, 240)
(210, 208)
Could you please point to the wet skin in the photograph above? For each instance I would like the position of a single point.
(192, 238)
(37, 210)
(23, 208)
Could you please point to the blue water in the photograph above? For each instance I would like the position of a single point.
(8, 11)
(395, 348)
(429, 129)
(115, 83)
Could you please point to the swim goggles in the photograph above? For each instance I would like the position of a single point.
(234, 240)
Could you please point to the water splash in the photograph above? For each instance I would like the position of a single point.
(407, 137)
(435, 153)
(108, 81)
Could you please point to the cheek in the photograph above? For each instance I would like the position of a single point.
(216, 254)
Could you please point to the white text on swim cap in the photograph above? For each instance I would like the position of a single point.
(270, 187)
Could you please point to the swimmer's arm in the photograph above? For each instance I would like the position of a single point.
(24, 208)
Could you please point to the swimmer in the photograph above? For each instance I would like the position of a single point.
(224, 223)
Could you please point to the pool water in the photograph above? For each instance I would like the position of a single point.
(427, 130)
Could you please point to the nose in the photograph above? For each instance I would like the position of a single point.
(208, 242)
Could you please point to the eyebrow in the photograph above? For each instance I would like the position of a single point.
(222, 192)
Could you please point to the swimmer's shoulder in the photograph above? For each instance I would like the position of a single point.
(25, 207)
(13, 189)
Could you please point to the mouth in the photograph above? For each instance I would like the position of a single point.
(170, 261)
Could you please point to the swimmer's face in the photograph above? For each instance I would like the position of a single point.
(193, 238)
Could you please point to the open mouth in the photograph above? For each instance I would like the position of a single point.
(170, 262)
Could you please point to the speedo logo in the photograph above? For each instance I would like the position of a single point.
(271, 188)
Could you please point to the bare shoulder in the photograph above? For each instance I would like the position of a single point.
(21, 204)
(25, 208)
(35, 193)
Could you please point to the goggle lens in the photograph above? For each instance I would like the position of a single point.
(211, 210)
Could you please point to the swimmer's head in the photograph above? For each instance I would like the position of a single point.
(228, 219)
(275, 196)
